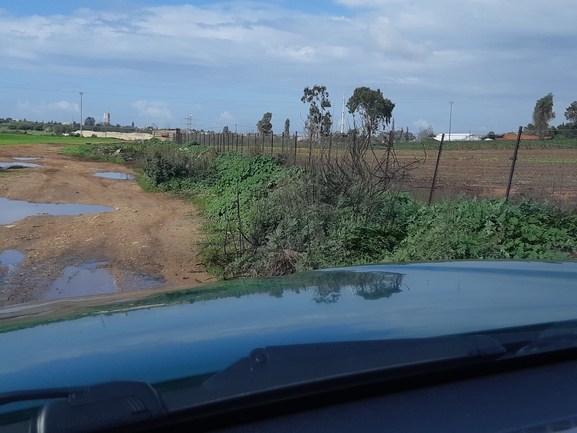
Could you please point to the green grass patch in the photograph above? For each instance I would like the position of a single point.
(15, 139)
(101, 152)
(549, 160)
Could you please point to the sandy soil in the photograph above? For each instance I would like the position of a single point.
(147, 235)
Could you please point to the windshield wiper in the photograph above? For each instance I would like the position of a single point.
(91, 408)
(292, 366)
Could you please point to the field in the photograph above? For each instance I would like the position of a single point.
(10, 139)
(545, 174)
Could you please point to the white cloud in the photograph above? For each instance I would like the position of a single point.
(48, 111)
(421, 124)
(154, 110)
(226, 116)
(369, 4)
(389, 40)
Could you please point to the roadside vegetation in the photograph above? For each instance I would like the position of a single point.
(266, 217)
(18, 139)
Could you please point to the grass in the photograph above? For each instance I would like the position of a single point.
(15, 139)
(548, 160)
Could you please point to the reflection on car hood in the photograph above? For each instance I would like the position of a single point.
(165, 335)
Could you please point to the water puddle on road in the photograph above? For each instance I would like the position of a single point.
(88, 279)
(93, 279)
(11, 258)
(113, 175)
(14, 210)
(27, 158)
(9, 261)
(17, 164)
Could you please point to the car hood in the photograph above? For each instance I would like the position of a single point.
(160, 336)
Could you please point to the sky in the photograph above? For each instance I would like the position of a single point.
(210, 64)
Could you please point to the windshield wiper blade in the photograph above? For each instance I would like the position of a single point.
(37, 394)
(91, 408)
(290, 366)
(537, 339)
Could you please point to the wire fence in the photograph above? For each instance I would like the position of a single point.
(544, 170)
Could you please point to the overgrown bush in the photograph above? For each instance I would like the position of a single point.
(488, 229)
(267, 219)
(170, 167)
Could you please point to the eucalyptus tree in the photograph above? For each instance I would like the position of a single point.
(319, 120)
(373, 108)
(542, 114)
(264, 126)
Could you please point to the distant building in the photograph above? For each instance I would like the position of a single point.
(458, 137)
(168, 134)
(106, 119)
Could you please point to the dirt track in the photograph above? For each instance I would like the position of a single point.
(147, 235)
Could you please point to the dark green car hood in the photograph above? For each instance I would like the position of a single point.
(162, 336)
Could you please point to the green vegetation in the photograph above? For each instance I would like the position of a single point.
(118, 152)
(15, 139)
(266, 219)
(59, 128)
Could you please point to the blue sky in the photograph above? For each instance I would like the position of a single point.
(156, 62)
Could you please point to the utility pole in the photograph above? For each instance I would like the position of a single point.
(343, 116)
(450, 118)
(81, 93)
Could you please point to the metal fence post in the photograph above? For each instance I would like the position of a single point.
(436, 169)
(513, 163)
(296, 139)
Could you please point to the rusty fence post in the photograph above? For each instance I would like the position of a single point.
(513, 163)
(436, 169)
(296, 140)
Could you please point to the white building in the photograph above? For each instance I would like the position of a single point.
(458, 137)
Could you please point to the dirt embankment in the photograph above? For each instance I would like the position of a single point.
(148, 235)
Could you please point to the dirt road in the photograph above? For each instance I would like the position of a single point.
(147, 235)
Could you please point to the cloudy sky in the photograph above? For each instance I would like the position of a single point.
(157, 62)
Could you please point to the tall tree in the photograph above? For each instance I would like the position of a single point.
(225, 130)
(542, 114)
(373, 108)
(89, 121)
(264, 126)
(571, 113)
(287, 128)
(319, 121)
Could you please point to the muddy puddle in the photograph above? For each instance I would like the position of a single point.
(84, 279)
(94, 279)
(17, 164)
(11, 258)
(9, 261)
(114, 175)
(14, 210)
(89, 279)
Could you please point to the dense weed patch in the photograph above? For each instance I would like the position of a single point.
(265, 218)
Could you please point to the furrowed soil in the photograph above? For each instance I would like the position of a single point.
(147, 237)
(541, 174)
